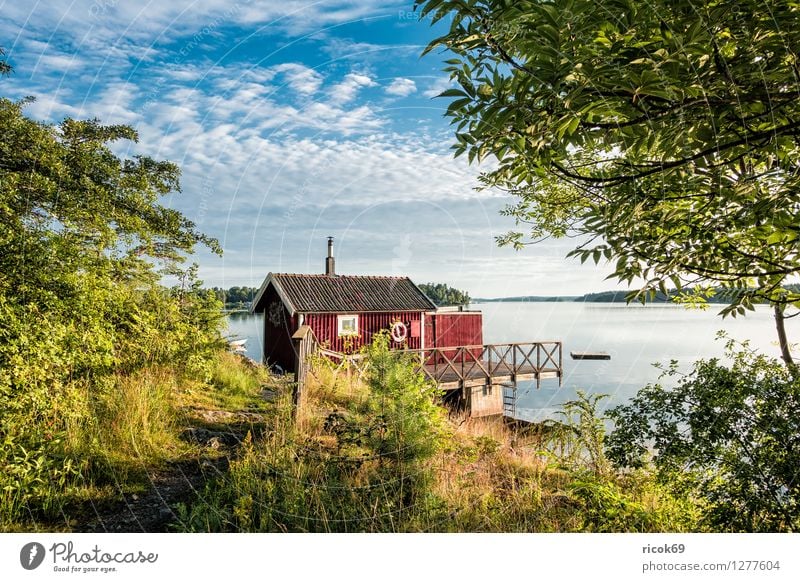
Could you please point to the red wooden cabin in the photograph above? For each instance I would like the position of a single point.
(345, 311)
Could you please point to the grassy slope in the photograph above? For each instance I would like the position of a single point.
(330, 469)
(138, 434)
(322, 473)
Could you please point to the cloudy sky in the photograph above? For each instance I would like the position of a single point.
(291, 120)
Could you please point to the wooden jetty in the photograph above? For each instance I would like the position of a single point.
(479, 379)
(469, 366)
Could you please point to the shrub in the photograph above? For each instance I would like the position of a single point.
(725, 434)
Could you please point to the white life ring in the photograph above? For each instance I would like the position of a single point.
(399, 331)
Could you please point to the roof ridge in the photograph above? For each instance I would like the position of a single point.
(310, 293)
(324, 276)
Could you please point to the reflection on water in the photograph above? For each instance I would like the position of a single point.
(243, 325)
(635, 336)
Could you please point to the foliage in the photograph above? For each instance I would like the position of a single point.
(377, 455)
(726, 434)
(442, 294)
(664, 135)
(5, 68)
(369, 478)
(402, 402)
(86, 330)
(235, 296)
(579, 434)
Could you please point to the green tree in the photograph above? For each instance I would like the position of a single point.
(235, 296)
(728, 435)
(403, 403)
(442, 294)
(5, 68)
(68, 205)
(664, 135)
(85, 243)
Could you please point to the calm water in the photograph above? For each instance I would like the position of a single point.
(635, 336)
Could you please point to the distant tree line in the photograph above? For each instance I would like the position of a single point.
(717, 295)
(442, 294)
(235, 296)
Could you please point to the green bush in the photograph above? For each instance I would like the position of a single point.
(372, 477)
(726, 435)
(409, 423)
(84, 322)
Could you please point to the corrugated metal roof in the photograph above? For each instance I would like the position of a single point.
(347, 294)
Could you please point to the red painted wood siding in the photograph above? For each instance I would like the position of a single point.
(458, 329)
(326, 330)
(454, 329)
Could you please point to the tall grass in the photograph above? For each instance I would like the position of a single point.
(101, 438)
(371, 452)
(137, 418)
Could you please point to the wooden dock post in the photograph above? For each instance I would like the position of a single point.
(305, 344)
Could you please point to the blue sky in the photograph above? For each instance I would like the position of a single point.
(291, 121)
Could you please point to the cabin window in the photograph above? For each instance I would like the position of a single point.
(347, 324)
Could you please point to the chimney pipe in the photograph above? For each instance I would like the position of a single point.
(330, 262)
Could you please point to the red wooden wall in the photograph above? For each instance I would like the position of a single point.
(454, 329)
(459, 328)
(325, 329)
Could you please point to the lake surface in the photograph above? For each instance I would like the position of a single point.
(636, 337)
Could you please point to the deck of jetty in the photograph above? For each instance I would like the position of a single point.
(490, 364)
(485, 377)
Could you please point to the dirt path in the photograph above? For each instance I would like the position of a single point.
(155, 510)
(218, 435)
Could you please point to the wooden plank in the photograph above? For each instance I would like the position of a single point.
(590, 355)
(523, 377)
(301, 332)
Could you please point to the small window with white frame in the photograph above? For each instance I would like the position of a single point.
(347, 324)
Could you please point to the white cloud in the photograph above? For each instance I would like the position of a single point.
(348, 89)
(365, 52)
(51, 107)
(437, 86)
(300, 78)
(100, 22)
(401, 87)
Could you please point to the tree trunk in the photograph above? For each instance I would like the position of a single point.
(784, 343)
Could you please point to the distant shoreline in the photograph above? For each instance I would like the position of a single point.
(602, 297)
(720, 296)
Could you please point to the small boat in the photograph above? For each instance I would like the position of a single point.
(590, 355)
(238, 346)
